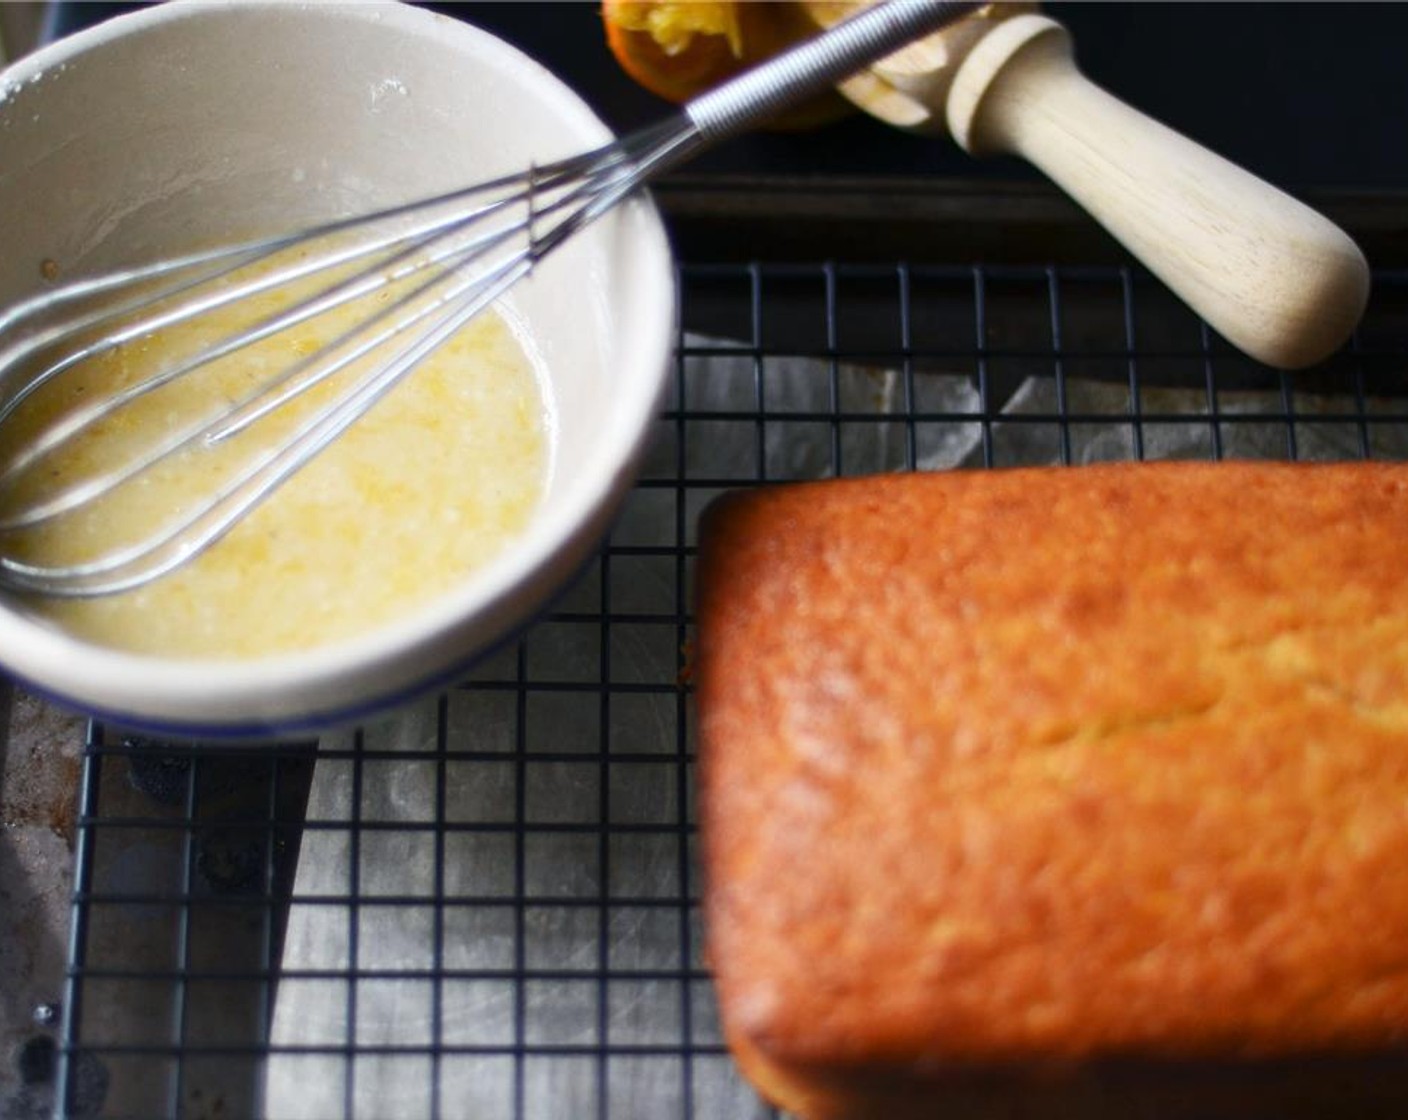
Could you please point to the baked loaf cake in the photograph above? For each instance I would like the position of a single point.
(1070, 791)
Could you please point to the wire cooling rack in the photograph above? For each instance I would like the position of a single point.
(488, 906)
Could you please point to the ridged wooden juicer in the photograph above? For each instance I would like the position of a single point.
(1271, 275)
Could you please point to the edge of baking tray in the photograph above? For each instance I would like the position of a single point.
(730, 218)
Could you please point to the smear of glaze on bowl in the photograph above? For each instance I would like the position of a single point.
(427, 487)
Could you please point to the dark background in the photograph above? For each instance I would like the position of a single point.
(1311, 96)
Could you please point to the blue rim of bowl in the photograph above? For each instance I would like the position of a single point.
(333, 716)
(313, 724)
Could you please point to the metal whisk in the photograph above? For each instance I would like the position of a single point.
(424, 270)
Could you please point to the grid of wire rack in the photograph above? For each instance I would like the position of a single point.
(488, 905)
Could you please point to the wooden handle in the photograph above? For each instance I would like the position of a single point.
(1271, 275)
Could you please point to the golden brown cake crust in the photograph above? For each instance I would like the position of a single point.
(1051, 765)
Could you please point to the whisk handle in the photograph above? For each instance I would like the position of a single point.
(818, 64)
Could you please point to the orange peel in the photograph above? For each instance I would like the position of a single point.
(678, 49)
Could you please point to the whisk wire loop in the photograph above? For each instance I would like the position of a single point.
(426, 267)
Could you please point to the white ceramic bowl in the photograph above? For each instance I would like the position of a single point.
(191, 121)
